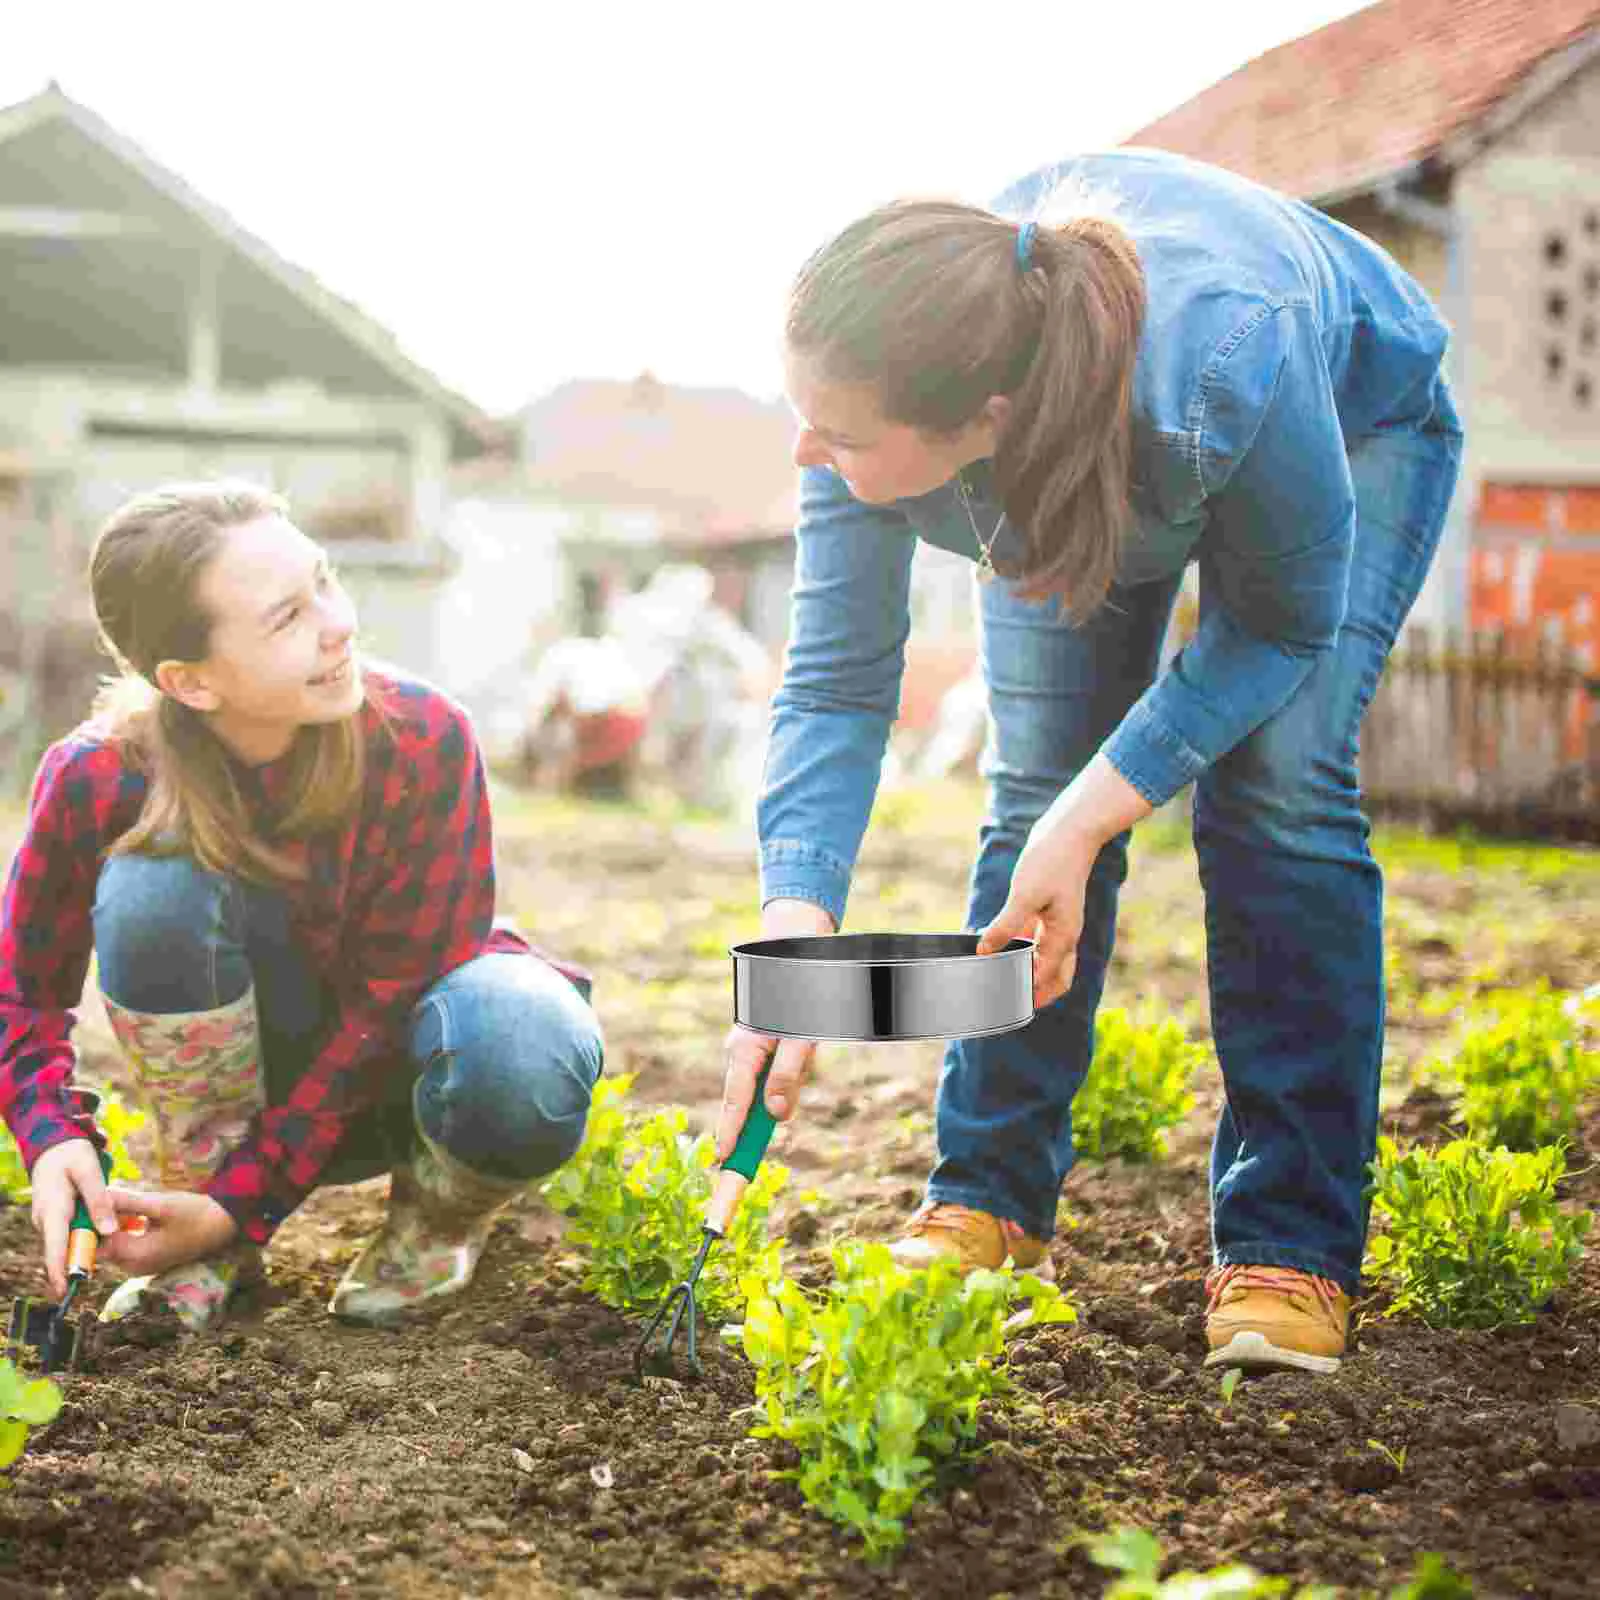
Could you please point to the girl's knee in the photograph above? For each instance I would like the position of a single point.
(160, 935)
(516, 1061)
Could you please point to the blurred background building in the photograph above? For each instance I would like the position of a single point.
(144, 335)
(1464, 136)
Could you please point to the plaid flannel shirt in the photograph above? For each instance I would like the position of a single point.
(402, 895)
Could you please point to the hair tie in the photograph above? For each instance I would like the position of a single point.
(1025, 246)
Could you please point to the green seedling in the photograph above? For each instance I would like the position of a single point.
(635, 1196)
(1230, 1382)
(24, 1404)
(1474, 1236)
(877, 1382)
(1137, 1087)
(1433, 1580)
(1524, 1068)
(1136, 1554)
(13, 1175)
(1395, 1458)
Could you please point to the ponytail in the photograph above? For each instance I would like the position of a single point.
(1064, 459)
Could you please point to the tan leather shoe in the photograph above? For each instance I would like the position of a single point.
(974, 1238)
(1275, 1317)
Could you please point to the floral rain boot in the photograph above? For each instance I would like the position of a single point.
(199, 1077)
(440, 1215)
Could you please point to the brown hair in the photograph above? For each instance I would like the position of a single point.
(144, 574)
(926, 300)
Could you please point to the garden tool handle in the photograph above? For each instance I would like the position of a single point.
(740, 1167)
(83, 1238)
(756, 1134)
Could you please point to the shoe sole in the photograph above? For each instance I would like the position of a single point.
(1250, 1349)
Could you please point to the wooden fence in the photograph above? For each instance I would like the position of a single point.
(1476, 731)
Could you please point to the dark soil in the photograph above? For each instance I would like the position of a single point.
(503, 1449)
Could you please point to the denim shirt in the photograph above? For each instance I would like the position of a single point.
(1273, 337)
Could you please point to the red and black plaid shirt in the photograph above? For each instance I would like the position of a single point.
(400, 896)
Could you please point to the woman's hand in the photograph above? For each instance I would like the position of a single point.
(181, 1228)
(1046, 904)
(59, 1176)
(1052, 874)
(747, 1052)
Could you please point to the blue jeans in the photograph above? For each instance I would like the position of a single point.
(498, 1058)
(1293, 897)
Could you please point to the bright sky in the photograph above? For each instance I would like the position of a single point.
(527, 192)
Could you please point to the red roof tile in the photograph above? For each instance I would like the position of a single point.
(1365, 98)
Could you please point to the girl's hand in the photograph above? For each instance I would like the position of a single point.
(182, 1228)
(59, 1176)
(1052, 874)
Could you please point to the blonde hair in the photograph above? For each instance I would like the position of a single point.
(928, 302)
(144, 575)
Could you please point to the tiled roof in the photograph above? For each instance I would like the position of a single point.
(1368, 97)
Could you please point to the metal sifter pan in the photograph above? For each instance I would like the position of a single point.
(882, 986)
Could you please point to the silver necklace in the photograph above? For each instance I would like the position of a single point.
(986, 572)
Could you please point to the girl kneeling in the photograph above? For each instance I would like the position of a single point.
(283, 862)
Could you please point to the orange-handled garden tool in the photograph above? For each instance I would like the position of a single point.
(39, 1330)
(732, 1180)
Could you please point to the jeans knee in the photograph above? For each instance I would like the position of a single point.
(164, 935)
(509, 1090)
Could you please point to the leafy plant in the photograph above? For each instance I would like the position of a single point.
(1433, 1580)
(115, 1121)
(877, 1382)
(1137, 1087)
(24, 1404)
(13, 1175)
(1523, 1068)
(1137, 1556)
(1475, 1238)
(635, 1196)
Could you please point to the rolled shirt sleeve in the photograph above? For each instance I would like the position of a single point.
(1275, 559)
(840, 694)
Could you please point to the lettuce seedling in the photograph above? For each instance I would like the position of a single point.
(1524, 1068)
(877, 1382)
(1475, 1238)
(24, 1404)
(1137, 1087)
(635, 1197)
(1136, 1554)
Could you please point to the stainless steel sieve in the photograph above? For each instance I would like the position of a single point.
(882, 986)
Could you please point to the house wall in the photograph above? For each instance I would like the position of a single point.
(1530, 212)
(1519, 282)
(364, 476)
